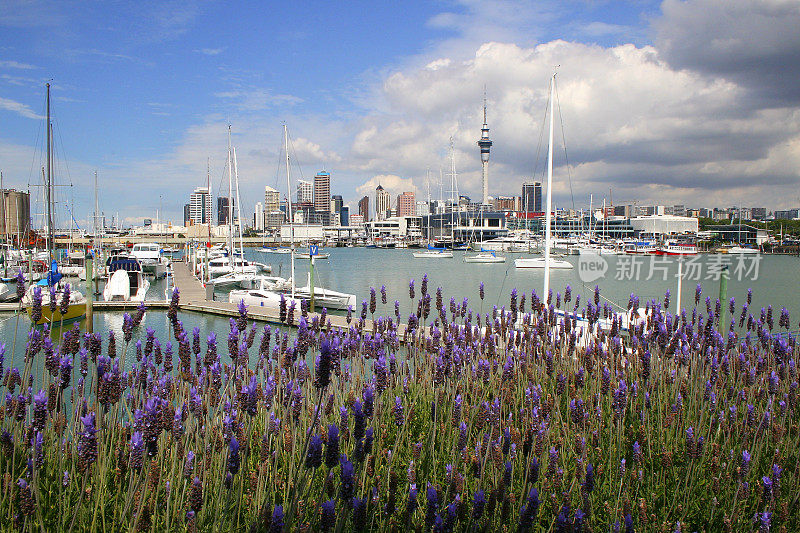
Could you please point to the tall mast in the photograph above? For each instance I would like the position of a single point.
(49, 181)
(94, 229)
(230, 201)
(548, 215)
(238, 204)
(3, 208)
(289, 202)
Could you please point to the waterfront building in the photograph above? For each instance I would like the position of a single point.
(356, 220)
(406, 205)
(200, 206)
(532, 197)
(363, 209)
(322, 192)
(382, 202)
(399, 227)
(787, 214)
(15, 213)
(739, 233)
(344, 215)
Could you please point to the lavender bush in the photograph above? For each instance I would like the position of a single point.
(550, 417)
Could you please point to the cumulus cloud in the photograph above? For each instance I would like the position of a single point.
(392, 183)
(629, 118)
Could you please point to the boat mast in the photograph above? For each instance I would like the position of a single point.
(238, 205)
(230, 201)
(548, 214)
(289, 203)
(49, 181)
(208, 247)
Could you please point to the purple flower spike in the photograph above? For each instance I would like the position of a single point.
(328, 515)
(233, 457)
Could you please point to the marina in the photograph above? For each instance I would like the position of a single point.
(420, 266)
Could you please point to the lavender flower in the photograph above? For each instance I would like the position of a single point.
(233, 456)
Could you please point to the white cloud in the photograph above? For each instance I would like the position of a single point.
(18, 108)
(16, 65)
(392, 183)
(256, 99)
(211, 51)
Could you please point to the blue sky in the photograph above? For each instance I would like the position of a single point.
(142, 93)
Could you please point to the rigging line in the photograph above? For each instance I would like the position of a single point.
(564, 144)
(612, 302)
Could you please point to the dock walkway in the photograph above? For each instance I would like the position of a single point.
(193, 299)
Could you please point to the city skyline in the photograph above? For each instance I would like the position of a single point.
(656, 99)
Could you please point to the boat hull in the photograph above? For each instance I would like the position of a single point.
(433, 255)
(74, 312)
(539, 262)
(484, 258)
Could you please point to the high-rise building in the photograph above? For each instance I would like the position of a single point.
(305, 192)
(507, 203)
(363, 208)
(532, 197)
(485, 144)
(322, 192)
(222, 209)
(382, 202)
(406, 205)
(187, 217)
(337, 203)
(258, 217)
(200, 206)
(344, 215)
(758, 213)
(271, 199)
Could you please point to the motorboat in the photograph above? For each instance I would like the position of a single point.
(742, 250)
(640, 248)
(150, 258)
(8, 289)
(126, 282)
(677, 248)
(73, 265)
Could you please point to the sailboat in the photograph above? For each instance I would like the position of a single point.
(434, 252)
(232, 269)
(50, 287)
(270, 291)
(546, 262)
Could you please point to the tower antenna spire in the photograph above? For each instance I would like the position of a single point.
(485, 144)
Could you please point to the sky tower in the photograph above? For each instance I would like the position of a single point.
(485, 144)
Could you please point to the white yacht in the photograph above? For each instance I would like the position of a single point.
(126, 282)
(150, 258)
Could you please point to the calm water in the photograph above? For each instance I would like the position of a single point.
(355, 270)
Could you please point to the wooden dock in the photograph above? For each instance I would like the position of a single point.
(193, 299)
